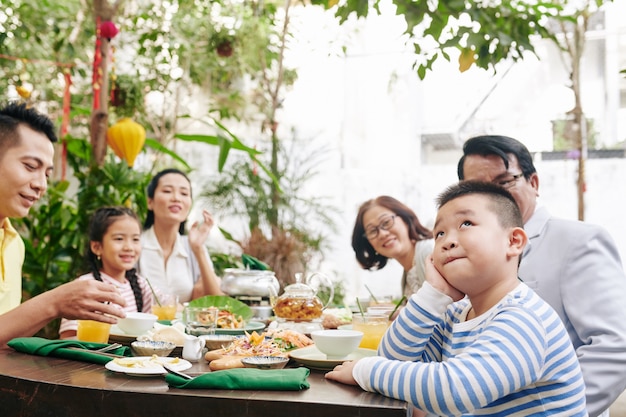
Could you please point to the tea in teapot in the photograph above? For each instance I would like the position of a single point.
(300, 302)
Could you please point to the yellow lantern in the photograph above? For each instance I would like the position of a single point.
(126, 138)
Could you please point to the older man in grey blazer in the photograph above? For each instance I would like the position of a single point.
(574, 266)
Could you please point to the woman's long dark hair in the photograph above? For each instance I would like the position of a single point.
(154, 183)
(100, 222)
(365, 253)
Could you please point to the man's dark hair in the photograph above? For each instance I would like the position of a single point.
(14, 114)
(502, 146)
(501, 202)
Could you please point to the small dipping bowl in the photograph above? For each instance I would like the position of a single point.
(217, 341)
(151, 347)
(265, 362)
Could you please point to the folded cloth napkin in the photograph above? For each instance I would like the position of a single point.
(246, 378)
(250, 262)
(61, 349)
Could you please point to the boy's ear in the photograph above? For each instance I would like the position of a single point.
(517, 241)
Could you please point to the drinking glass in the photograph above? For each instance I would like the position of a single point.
(373, 327)
(166, 306)
(200, 320)
(93, 331)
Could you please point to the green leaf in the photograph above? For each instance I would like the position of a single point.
(224, 302)
(224, 149)
(154, 144)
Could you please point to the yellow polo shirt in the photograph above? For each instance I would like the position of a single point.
(11, 261)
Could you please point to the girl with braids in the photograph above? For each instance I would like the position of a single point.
(112, 253)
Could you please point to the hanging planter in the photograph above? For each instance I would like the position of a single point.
(223, 43)
(127, 95)
(126, 138)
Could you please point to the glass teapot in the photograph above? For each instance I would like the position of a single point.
(299, 301)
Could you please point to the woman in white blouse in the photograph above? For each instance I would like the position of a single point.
(171, 261)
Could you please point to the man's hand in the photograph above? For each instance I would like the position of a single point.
(90, 300)
(438, 282)
(343, 373)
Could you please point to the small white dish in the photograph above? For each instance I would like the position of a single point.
(150, 366)
(151, 347)
(312, 358)
(265, 362)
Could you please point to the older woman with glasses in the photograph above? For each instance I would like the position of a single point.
(386, 228)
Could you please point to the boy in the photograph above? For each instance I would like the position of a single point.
(26, 154)
(474, 339)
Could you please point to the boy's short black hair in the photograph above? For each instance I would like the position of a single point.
(501, 202)
(14, 114)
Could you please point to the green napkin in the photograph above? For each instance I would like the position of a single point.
(246, 378)
(60, 349)
(250, 262)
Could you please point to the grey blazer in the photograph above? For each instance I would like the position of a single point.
(576, 268)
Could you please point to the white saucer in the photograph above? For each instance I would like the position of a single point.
(312, 358)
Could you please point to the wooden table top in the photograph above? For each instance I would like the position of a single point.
(35, 385)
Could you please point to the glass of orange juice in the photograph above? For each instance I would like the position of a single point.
(373, 327)
(93, 331)
(166, 306)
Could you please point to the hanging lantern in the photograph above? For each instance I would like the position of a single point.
(126, 138)
(108, 29)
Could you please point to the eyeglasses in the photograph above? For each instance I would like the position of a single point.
(509, 183)
(386, 224)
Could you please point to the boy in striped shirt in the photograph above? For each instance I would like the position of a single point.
(475, 340)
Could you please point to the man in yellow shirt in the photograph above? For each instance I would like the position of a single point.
(26, 158)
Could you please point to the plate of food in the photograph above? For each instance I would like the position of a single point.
(146, 365)
(312, 358)
(234, 317)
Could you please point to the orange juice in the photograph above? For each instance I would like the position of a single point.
(373, 328)
(93, 331)
(164, 312)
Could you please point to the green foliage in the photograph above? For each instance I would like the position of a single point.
(298, 233)
(494, 31)
(564, 135)
(127, 96)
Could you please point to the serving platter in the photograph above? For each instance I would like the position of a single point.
(312, 358)
(151, 366)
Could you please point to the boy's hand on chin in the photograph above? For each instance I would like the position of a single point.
(437, 280)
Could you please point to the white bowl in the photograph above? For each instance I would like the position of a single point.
(137, 323)
(217, 341)
(264, 362)
(337, 344)
(150, 347)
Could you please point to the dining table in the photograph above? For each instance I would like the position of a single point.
(32, 385)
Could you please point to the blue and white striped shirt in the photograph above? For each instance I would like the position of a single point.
(514, 360)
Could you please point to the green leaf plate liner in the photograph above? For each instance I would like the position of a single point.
(224, 302)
